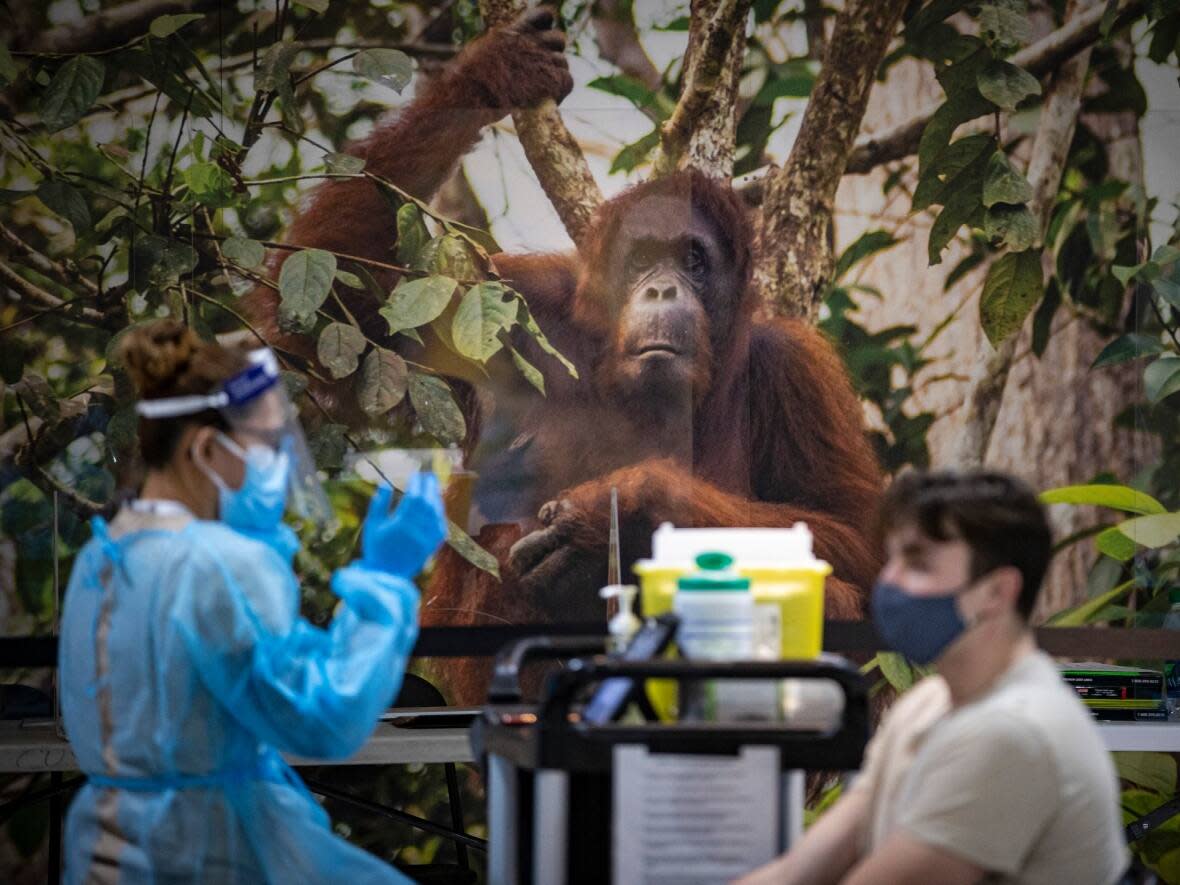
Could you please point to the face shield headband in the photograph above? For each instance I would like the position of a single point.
(251, 401)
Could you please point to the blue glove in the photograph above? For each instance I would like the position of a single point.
(399, 543)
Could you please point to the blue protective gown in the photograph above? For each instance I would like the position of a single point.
(185, 667)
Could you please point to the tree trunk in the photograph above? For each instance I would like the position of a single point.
(1056, 423)
(795, 263)
(552, 151)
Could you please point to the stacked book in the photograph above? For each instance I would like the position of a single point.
(1118, 694)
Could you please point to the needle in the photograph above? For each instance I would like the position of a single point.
(614, 564)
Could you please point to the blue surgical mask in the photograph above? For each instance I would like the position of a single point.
(919, 627)
(257, 506)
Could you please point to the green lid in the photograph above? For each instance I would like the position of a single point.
(1174, 595)
(715, 573)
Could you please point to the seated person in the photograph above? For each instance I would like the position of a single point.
(991, 770)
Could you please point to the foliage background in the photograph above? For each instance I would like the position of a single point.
(139, 176)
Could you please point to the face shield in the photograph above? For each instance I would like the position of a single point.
(258, 411)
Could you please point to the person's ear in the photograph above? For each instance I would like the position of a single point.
(1004, 586)
(201, 443)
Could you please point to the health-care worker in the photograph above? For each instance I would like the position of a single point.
(185, 666)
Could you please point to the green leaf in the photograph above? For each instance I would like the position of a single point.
(320, 6)
(1166, 254)
(530, 326)
(328, 446)
(65, 200)
(625, 87)
(1127, 347)
(896, 670)
(932, 13)
(950, 171)
(463, 544)
(304, 284)
(343, 164)
(274, 71)
(1124, 273)
(1081, 614)
(436, 409)
(530, 372)
(632, 155)
(209, 185)
(1115, 497)
(412, 236)
(450, 256)
(389, 67)
(1005, 85)
(109, 221)
(963, 103)
(156, 261)
(247, 253)
(1005, 24)
(962, 207)
(1167, 290)
(167, 25)
(1156, 530)
(417, 302)
(484, 312)
(1162, 378)
(72, 92)
(8, 69)
(349, 279)
(1153, 771)
(13, 355)
(274, 75)
(339, 348)
(1011, 226)
(1042, 325)
(868, 243)
(1115, 544)
(1003, 184)
(1109, 16)
(1165, 38)
(1013, 287)
(794, 78)
(383, 381)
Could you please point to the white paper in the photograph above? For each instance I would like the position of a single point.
(693, 820)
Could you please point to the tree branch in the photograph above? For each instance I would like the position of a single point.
(552, 151)
(111, 27)
(701, 127)
(795, 260)
(46, 299)
(1039, 59)
(618, 42)
(45, 264)
(1054, 133)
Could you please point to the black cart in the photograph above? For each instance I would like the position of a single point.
(570, 801)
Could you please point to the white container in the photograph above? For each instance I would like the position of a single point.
(753, 547)
(717, 620)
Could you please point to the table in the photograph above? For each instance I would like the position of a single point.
(34, 746)
(1158, 737)
(30, 746)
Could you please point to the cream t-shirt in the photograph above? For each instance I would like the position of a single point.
(1018, 781)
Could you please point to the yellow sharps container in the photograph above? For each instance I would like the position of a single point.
(786, 581)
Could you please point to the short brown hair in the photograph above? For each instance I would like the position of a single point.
(165, 359)
(996, 515)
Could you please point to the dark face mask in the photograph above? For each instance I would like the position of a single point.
(919, 627)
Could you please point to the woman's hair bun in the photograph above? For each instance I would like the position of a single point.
(158, 355)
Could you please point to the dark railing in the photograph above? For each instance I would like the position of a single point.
(840, 637)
